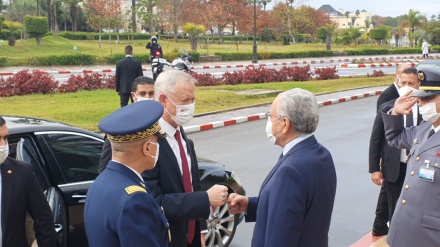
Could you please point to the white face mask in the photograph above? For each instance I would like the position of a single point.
(429, 112)
(139, 98)
(270, 136)
(4, 152)
(156, 157)
(184, 113)
(405, 89)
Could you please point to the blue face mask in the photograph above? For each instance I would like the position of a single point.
(154, 41)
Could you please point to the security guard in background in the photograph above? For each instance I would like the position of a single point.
(155, 48)
(119, 210)
(416, 221)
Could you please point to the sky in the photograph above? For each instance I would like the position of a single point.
(391, 8)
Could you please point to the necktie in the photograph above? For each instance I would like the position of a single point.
(186, 184)
(432, 132)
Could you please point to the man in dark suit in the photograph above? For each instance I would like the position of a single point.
(21, 193)
(127, 70)
(182, 204)
(120, 211)
(380, 226)
(388, 164)
(295, 202)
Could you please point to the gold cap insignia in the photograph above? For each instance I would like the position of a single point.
(9, 172)
(134, 188)
(421, 76)
(138, 135)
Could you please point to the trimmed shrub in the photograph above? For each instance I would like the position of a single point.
(104, 36)
(82, 82)
(5, 34)
(76, 59)
(37, 82)
(296, 73)
(226, 56)
(36, 26)
(3, 61)
(368, 51)
(376, 73)
(206, 79)
(326, 73)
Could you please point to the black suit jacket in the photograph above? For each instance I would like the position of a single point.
(127, 70)
(22, 193)
(165, 183)
(379, 148)
(388, 94)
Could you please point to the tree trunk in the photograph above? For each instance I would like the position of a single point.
(289, 22)
(11, 40)
(133, 15)
(73, 14)
(175, 20)
(193, 40)
(38, 7)
(38, 38)
(100, 36)
(55, 21)
(328, 42)
(49, 14)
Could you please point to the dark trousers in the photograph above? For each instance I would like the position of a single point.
(425, 55)
(394, 189)
(382, 211)
(124, 98)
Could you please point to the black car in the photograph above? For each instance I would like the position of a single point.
(429, 64)
(65, 161)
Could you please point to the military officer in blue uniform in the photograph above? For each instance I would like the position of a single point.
(416, 221)
(119, 209)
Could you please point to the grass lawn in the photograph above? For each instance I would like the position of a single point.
(86, 108)
(19, 54)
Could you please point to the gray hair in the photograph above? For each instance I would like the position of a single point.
(167, 80)
(301, 108)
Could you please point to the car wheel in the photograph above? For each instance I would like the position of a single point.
(221, 227)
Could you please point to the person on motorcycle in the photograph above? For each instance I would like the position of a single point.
(155, 48)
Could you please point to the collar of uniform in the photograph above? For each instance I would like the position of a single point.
(137, 174)
(436, 129)
(128, 55)
(170, 130)
(395, 85)
(293, 142)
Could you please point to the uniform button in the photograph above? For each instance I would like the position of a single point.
(418, 158)
(436, 164)
(415, 141)
(412, 173)
(403, 202)
(406, 187)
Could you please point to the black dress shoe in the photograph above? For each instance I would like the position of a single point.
(379, 232)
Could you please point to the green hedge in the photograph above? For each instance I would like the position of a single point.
(368, 51)
(3, 61)
(5, 34)
(78, 59)
(226, 56)
(104, 36)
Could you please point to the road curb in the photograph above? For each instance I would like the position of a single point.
(373, 65)
(258, 116)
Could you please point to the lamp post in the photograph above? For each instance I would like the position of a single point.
(254, 47)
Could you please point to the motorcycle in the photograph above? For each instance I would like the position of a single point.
(183, 63)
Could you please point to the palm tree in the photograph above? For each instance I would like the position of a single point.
(73, 6)
(413, 20)
(367, 25)
(329, 30)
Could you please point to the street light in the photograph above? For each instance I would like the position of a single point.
(254, 47)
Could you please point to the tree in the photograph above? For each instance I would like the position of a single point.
(145, 12)
(434, 32)
(413, 20)
(36, 26)
(18, 9)
(378, 34)
(367, 25)
(329, 29)
(12, 26)
(193, 32)
(73, 6)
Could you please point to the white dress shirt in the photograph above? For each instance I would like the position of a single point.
(171, 131)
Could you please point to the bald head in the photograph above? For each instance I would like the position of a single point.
(399, 69)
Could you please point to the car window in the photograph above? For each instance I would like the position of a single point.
(76, 155)
(24, 149)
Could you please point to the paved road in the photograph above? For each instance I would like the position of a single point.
(344, 129)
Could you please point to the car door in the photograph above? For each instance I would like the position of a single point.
(24, 148)
(74, 160)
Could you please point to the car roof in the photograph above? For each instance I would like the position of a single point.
(19, 124)
(429, 64)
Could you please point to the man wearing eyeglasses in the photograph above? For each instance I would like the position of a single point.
(416, 220)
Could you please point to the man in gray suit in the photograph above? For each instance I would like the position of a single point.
(416, 220)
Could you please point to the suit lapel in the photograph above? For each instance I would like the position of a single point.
(7, 188)
(166, 148)
(302, 144)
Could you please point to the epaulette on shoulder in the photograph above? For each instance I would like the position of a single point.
(134, 188)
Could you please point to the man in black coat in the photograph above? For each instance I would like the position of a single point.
(376, 154)
(21, 193)
(127, 70)
(155, 48)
